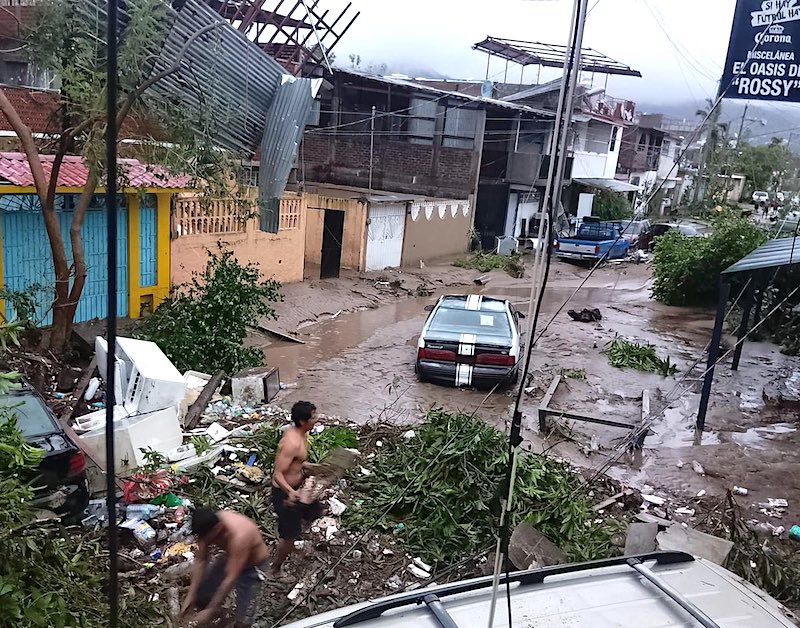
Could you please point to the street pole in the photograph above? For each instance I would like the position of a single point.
(371, 146)
(111, 211)
(551, 204)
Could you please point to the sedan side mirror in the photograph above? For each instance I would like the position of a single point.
(429, 308)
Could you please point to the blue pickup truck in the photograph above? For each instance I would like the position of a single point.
(594, 241)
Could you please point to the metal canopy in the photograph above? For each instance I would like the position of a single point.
(778, 252)
(609, 184)
(551, 55)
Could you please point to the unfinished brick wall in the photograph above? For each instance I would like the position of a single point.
(397, 166)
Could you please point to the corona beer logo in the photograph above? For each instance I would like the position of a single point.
(774, 35)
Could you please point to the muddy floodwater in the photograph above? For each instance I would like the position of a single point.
(359, 365)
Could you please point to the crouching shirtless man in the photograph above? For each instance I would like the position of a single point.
(243, 552)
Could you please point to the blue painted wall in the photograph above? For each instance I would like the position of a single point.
(27, 260)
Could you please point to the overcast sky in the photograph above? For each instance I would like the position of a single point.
(438, 34)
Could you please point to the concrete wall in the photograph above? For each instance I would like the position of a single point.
(355, 225)
(196, 231)
(435, 230)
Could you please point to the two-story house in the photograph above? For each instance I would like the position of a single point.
(650, 159)
(416, 168)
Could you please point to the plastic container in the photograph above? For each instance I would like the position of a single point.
(143, 511)
(182, 453)
(142, 531)
(794, 533)
(91, 389)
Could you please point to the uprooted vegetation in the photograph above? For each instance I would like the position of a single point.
(487, 262)
(422, 483)
(642, 357)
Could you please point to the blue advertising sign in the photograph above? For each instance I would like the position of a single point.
(764, 52)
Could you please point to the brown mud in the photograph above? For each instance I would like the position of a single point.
(360, 345)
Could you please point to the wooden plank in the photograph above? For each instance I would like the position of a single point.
(548, 396)
(612, 500)
(80, 389)
(274, 331)
(195, 411)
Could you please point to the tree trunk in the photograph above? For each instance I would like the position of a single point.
(45, 190)
(78, 253)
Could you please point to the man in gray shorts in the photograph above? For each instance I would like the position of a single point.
(236, 568)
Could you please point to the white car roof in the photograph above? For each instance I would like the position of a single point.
(597, 595)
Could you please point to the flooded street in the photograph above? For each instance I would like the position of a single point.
(359, 365)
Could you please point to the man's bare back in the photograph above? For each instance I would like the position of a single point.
(241, 537)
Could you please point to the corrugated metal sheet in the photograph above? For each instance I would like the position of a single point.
(15, 169)
(225, 84)
(286, 120)
(777, 252)
(222, 73)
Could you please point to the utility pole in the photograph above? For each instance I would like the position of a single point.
(371, 146)
(741, 126)
(551, 203)
(708, 151)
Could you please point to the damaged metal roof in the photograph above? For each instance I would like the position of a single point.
(229, 89)
(421, 87)
(777, 252)
(286, 120)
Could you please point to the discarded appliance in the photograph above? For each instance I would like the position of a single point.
(256, 385)
(148, 393)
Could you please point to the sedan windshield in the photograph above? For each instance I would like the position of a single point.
(33, 419)
(633, 228)
(480, 323)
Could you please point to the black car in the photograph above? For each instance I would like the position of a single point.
(60, 484)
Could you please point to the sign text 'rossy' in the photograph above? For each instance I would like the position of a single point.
(764, 52)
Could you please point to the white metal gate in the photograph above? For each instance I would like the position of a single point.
(385, 235)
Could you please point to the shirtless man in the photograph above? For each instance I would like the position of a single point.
(244, 551)
(288, 476)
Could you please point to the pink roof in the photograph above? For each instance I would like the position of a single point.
(15, 169)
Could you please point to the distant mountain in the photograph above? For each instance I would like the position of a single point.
(764, 120)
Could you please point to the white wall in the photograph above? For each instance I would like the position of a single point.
(589, 166)
(595, 159)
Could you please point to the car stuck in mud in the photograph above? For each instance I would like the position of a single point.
(470, 341)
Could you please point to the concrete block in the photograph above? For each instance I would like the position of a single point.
(530, 549)
(641, 538)
(678, 538)
(255, 385)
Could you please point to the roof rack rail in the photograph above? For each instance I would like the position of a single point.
(534, 576)
(675, 596)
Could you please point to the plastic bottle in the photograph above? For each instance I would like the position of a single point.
(399, 528)
(794, 533)
(91, 389)
(143, 511)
